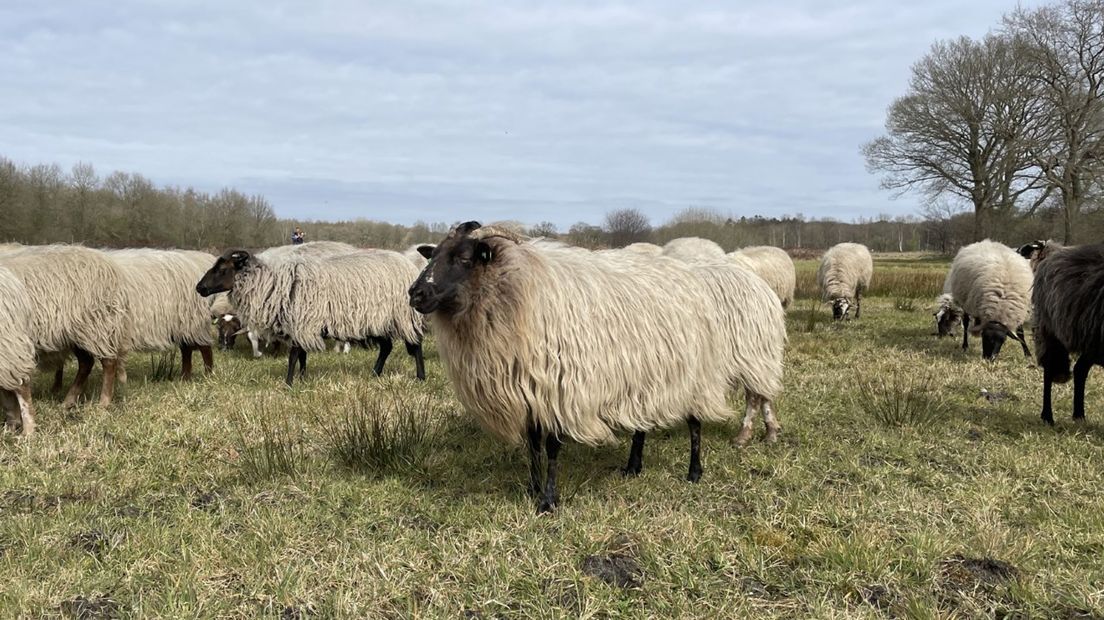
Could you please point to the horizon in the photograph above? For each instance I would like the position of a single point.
(437, 113)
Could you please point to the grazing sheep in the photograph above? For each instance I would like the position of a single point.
(557, 343)
(694, 250)
(844, 274)
(992, 284)
(355, 297)
(1068, 300)
(78, 301)
(947, 314)
(165, 311)
(17, 353)
(649, 249)
(772, 264)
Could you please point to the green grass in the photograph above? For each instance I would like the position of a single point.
(895, 491)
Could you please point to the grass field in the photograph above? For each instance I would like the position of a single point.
(896, 490)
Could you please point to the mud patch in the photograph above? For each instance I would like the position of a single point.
(94, 542)
(878, 596)
(208, 501)
(963, 573)
(293, 612)
(91, 608)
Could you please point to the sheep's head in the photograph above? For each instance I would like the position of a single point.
(993, 335)
(840, 307)
(461, 258)
(229, 326)
(946, 316)
(220, 277)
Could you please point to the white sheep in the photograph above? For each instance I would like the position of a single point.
(644, 247)
(992, 285)
(165, 310)
(78, 301)
(354, 297)
(17, 353)
(415, 256)
(844, 274)
(694, 250)
(1069, 318)
(563, 343)
(772, 264)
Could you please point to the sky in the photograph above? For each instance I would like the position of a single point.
(449, 111)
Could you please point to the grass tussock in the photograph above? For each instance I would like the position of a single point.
(162, 365)
(385, 432)
(902, 397)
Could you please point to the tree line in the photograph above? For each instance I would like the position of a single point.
(1009, 127)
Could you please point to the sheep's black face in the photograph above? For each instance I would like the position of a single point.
(228, 327)
(993, 336)
(840, 308)
(452, 263)
(1031, 250)
(220, 277)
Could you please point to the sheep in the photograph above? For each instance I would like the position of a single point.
(844, 274)
(78, 301)
(550, 343)
(358, 296)
(415, 256)
(947, 314)
(1069, 318)
(694, 250)
(772, 264)
(166, 312)
(17, 353)
(992, 284)
(642, 247)
(1037, 251)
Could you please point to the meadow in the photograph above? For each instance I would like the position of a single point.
(897, 489)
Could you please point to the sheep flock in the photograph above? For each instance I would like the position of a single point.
(542, 342)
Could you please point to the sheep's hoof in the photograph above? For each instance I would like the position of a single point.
(743, 437)
(772, 436)
(693, 476)
(630, 471)
(546, 507)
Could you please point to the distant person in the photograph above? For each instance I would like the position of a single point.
(297, 236)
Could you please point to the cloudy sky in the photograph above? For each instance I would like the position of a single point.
(406, 110)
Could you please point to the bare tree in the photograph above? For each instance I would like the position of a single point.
(626, 226)
(1064, 46)
(544, 229)
(962, 129)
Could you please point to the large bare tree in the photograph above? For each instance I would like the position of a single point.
(1064, 46)
(962, 129)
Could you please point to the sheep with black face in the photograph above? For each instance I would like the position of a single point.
(355, 297)
(992, 285)
(843, 276)
(544, 343)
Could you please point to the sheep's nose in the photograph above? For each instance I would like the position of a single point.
(416, 296)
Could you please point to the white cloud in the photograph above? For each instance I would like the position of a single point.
(475, 110)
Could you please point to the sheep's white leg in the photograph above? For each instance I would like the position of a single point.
(254, 340)
(26, 408)
(771, 422)
(750, 411)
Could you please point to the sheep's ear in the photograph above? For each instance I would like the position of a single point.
(426, 251)
(239, 258)
(1028, 249)
(467, 227)
(483, 252)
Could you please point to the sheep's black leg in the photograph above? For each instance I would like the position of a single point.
(302, 362)
(186, 361)
(636, 455)
(534, 436)
(858, 303)
(208, 358)
(1048, 380)
(1023, 341)
(384, 351)
(293, 358)
(1080, 374)
(965, 331)
(695, 449)
(59, 379)
(551, 495)
(414, 349)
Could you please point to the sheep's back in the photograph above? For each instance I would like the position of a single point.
(1068, 297)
